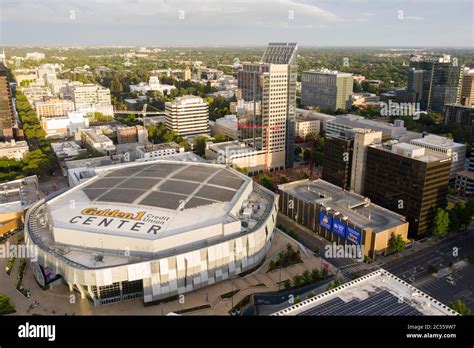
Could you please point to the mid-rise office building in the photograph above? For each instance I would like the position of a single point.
(467, 91)
(92, 98)
(7, 118)
(408, 181)
(435, 145)
(435, 82)
(347, 123)
(327, 89)
(340, 216)
(54, 107)
(459, 114)
(227, 125)
(305, 125)
(337, 159)
(362, 139)
(187, 115)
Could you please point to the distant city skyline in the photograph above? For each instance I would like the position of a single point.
(363, 23)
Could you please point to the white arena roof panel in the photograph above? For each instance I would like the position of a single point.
(151, 200)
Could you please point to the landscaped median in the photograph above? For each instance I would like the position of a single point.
(21, 274)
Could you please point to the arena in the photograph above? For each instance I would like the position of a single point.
(152, 230)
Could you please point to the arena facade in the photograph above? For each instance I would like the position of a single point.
(152, 230)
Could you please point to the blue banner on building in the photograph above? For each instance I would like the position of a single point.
(353, 236)
(325, 220)
(339, 228)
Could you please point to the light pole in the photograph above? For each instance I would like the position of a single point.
(231, 292)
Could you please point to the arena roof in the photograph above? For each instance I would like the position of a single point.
(377, 293)
(174, 195)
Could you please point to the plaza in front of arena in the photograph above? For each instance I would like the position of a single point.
(59, 301)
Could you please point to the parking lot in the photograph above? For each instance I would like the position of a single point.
(444, 291)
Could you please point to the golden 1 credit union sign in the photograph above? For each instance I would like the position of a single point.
(119, 220)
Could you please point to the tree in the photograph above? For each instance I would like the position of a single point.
(432, 269)
(298, 281)
(6, 307)
(220, 138)
(243, 170)
(460, 307)
(199, 145)
(335, 284)
(307, 155)
(116, 85)
(266, 182)
(396, 243)
(441, 223)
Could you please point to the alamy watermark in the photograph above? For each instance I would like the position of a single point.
(23, 251)
(391, 109)
(348, 251)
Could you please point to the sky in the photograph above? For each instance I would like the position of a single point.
(389, 23)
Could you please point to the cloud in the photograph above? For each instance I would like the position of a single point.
(159, 11)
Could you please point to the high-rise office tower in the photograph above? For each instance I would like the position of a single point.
(435, 82)
(406, 180)
(7, 118)
(272, 83)
(337, 159)
(327, 89)
(282, 93)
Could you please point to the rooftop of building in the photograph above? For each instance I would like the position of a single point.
(379, 293)
(327, 72)
(358, 209)
(97, 138)
(466, 174)
(180, 197)
(12, 144)
(315, 114)
(18, 195)
(412, 151)
(186, 99)
(438, 141)
(158, 147)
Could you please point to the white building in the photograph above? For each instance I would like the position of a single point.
(227, 125)
(67, 125)
(14, 149)
(310, 114)
(187, 115)
(92, 98)
(152, 85)
(67, 149)
(243, 107)
(153, 151)
(435, 145)
(305, 125)
(97, 142)
(53, 107)
(35, 56)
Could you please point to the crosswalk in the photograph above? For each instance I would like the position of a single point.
(359, 268)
